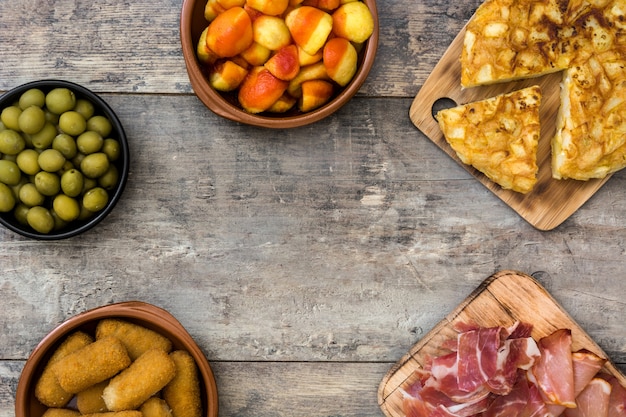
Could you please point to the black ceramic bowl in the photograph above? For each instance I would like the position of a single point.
(122, 163)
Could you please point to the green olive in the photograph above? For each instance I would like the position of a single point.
(100, 124)
(10, 173)
(31, 120)
(66, 207)
(72, 122)
(47, 183)
(111, 147)
(7, 199)
(85, 108)
(17, 187)
(43, 139)
(94, 165)
(11, 142)
(89, 142)
(30, 196)
(32, 97)
(56, 167)
(40, 219)
(88, 184)
(67, 165)
(19, 212)
(85, 214)
(109, 179)
(59, 223)
(65, 144)
(78, 158)
(52, 117)
(51, 160)
(72, 182)
(59, 100)
(95, 199)
(10, 117)
(27, 161)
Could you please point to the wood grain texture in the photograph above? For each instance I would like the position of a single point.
(336, 244)
(305, 263)
(551, 201)
(501, 300)
(122, 46)
(272, 389)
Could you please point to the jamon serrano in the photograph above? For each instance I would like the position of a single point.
(593, 401)
(554, 371)
(503, 372)
(617, 402)
(586, 366)
(511, 404)
(483, 361)
(515, 354)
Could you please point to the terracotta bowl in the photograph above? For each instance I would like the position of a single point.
(146, 315)
(192, 23)
(102, 108)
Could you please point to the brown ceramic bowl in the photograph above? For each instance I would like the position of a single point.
(192, 23)
(149, 316)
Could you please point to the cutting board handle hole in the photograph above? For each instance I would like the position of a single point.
(441, 104)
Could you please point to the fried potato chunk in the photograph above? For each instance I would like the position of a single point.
(498, 136)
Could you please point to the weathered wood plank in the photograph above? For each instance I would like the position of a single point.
(272, 389)
(323, 243)
(134, 46)
(501, 300)
(325, 251)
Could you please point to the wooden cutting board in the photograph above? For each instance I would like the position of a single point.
(552, 201)
(501, 299)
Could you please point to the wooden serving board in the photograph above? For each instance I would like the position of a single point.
(501, 299)
(552, 201)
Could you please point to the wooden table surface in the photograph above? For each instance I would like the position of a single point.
(304, 262)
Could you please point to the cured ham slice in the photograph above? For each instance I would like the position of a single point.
(511, 404)
(444, 378)
(515, 354)
(477, 356)
(426, 401)
(593, 401)
(586, 366)
(617, 401)
(483, 361)
(503, 372)
(524, 400)
(535, 407)
(554, 371)
(415, 407)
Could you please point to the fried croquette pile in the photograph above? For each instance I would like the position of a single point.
(126, 370)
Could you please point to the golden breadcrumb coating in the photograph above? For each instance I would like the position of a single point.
(155, 407)
(137, 339)
(146, 376)
(47, 389)
(91, 364)
(183, 392)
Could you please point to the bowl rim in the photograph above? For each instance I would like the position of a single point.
(220, 106)
(124, 162)
(137, 310)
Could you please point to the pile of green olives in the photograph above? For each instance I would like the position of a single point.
(57, 159)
